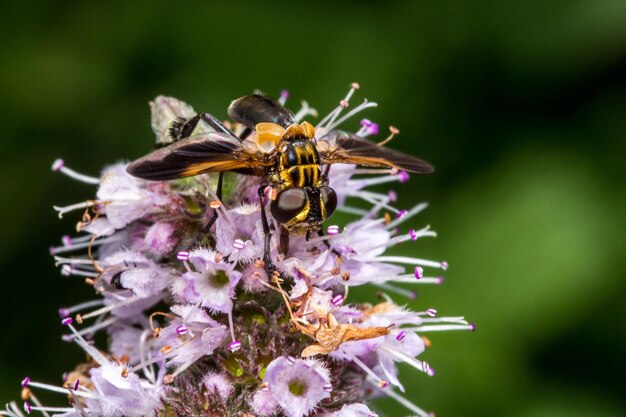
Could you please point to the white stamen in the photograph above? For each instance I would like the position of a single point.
(53, 409)
(417, 364)
(89, 349)
(61, 390)
(77, 206)
(82, 245)
(111, 307)
(410, 279)
(441, 327)
(68, 270)
(59, 260)
(358, 109)
(91, 329)
(330, 118)
(351, 210)
(378, 203)
(305, 111)
(58, 165)
(414, 236)
(415, 210)
(408, 260)
(363, 366)
(408, 404)
(400, 291)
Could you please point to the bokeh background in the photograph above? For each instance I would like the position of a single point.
(520, 105)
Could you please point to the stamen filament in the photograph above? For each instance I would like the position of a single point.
(415, 210)
(406, 403)
(437, 328)
(59, 165)
(358, 109)
(409, 261)
(77, 206)
(411, 295)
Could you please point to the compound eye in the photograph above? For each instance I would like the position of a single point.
(329, 199)
(288, 204)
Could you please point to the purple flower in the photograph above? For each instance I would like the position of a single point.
(353, 410)
(160, 238)
(195, 325)
(212, 283)
(297, 385)
(124, 198)
(240, 233)
(191, 334)
(122, 394)
(218, 384)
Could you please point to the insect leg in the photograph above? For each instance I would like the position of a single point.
(322, 234)
(213, 219)
(183, 128)
(284, 241)
(267, 258)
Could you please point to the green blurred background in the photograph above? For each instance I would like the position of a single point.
(521, 106)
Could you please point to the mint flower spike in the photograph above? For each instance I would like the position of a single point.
(194, 324)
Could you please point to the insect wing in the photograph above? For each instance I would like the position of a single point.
(208, 152)
(257, 108)
(342, 147)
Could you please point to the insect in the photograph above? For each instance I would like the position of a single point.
(288, 155)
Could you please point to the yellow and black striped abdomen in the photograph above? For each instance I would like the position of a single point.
(299, 164)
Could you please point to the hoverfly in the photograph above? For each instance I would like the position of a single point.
(274, 146)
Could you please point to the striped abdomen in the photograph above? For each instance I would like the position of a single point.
(299, 164)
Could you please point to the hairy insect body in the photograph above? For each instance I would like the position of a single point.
(299, 165)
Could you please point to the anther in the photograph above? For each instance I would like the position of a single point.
(345, 275)
(337, 300)
(344, 103)
(57, 165)
(403, 177)
(356, 86)
(166, 349)
(66, 321)
(383, 383)
(328, 388)
(27, 407)
(25, 382)
(419, 272)
(124, 372)
(444, 265)
(401, 335)
(168, 379)
(79, 319)
(25, 394)
(333, 229)
(234, 346)
(239, 244)
(402, 213)
(181, 330)
(431, 312)
(182, 255)
(215, 204)
(265, 386)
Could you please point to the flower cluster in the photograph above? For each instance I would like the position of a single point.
(197, 326)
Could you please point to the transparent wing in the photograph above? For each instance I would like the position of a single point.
(207, 152)
(343, 147)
